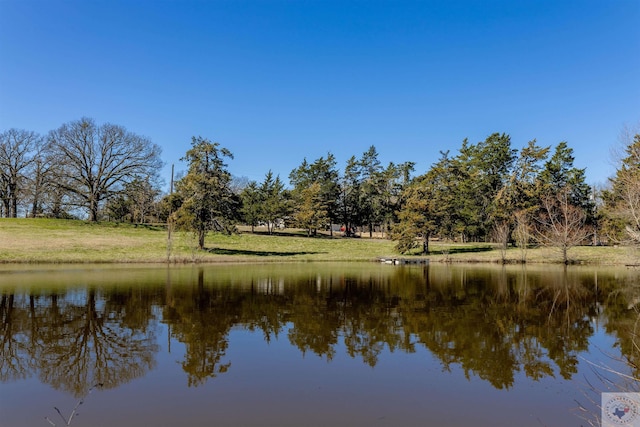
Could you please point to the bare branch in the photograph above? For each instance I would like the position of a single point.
(99, 160)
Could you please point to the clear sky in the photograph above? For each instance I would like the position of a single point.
(278, 81)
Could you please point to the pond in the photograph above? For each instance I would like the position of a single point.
(353, 344)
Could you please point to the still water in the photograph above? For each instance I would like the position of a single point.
(314, 345)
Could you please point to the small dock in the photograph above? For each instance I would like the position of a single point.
(402, 261)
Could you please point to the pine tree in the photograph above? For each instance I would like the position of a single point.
(205, 189)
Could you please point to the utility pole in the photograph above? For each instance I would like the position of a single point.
(169, 219)
(171, 187)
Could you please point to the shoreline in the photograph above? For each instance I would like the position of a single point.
(47, 241)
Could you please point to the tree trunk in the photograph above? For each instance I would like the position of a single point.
(93, 209)
(5, 202)
(13, 197)
(425, 244)
(201, 235)
(35, 207)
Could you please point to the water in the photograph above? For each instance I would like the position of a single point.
(314, 345)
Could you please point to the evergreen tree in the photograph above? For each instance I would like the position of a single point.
(560, 174)
(394, 179)
(323, 172)
(350, 211)
(566, 214)
(371, 189)
(621, 208)
(275, 206)
(518, 199)
(251, 204)
(521, 191)
(482, 171)
(427, 207)
(310, 212)
(208, 203)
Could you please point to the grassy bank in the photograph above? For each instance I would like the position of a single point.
(62, 241)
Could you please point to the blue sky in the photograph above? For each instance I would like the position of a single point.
(278, 81)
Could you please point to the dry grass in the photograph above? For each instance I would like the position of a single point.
(587, 255)
(61, 241)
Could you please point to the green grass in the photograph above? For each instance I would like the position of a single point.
(62, 241)
(68, 241)
(484, 252)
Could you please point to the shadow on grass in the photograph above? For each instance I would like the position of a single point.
(293, 234)
(114, 224)
(451, 251)
(220, 251)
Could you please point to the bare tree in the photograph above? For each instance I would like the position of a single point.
(622, 200)
(501, 232)
(42, 185)
(629, 206)
(96, 161)
(522, 232)
(560, 224)
(17, 149)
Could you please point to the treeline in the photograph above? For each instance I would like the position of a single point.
(487, 191)
(81, 165)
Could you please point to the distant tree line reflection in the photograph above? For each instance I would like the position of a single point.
(491, 322)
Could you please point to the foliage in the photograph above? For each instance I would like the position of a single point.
(521, 193)
(324, 173)
(274, 201)
(252, 199)
(135, 203)
(394, 180)
(622, 199)
(560, 175)
(425, 208)
(482, 171)
(371, 194)
(565, 217)
(207, 199)
(350, 212)
(370, 186)
(483, 191)
(489, 192)
(311, 212)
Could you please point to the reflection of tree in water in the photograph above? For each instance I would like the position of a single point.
(492, 323)
(314, 321)
(201, 318)
(80, 339)
(622, 311)
(16, 359)
(262, 309)
(371, 321)
(497, 325)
